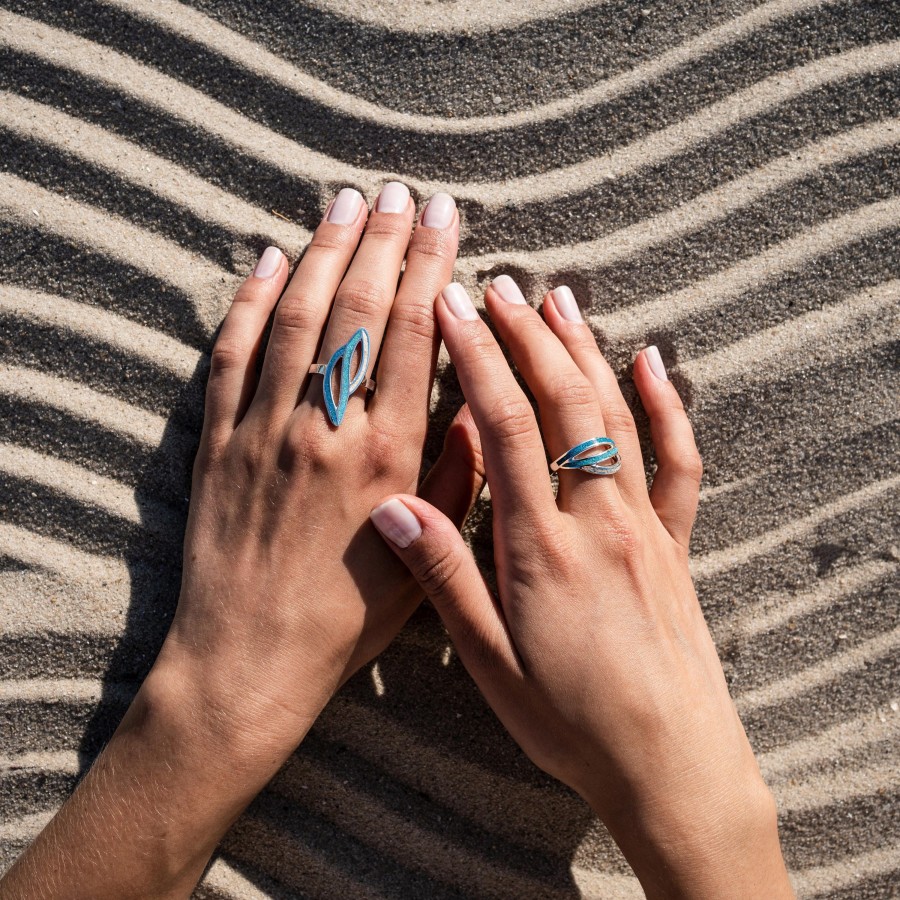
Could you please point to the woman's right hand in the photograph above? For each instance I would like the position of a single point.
(595, 655)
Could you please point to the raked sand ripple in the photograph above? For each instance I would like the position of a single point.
(720, 179)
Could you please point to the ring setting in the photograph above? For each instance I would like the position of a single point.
(581, 457)
(342, 359)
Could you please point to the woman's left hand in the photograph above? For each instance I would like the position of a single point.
(287, 588)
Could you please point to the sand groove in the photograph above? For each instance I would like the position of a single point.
(720, 181)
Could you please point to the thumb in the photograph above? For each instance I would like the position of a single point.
(457, 477)
(438, 558)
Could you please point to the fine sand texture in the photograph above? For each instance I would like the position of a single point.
(721, 179)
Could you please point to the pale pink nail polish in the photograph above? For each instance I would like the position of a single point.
(397, 522)
(459, 302)
(346, 207)
(656, 363)
(439, 212)
(268, 263)
(566, 304)
(508, 290)
(394, 198)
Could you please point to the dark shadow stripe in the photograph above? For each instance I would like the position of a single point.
(861, 536)
(442, 823)
(814, 838)
(248, 177)
(496, 153)
(162, 473)
(875, 887)
(600, 209)
(57, 515)
(826, 466)
(783, 214)
(266, 835)
(806, 640)
(105, 368)
(79, 655)
(42, 261)
(826, 280)
(27, 726)
(26, 791)
(860, 691)
(462, 73)
(75, 177)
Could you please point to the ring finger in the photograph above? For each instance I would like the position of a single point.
(568, 404)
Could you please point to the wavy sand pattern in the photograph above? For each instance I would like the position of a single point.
(721, 179)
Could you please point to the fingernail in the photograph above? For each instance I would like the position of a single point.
(508, 290)
(565, 303)
(346, 207)
(439, 212)
(656, 363)
(394, 198)
(268, 263)
(395, 520)
(459, 302)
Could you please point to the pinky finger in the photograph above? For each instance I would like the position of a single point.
(676, 485)
(232, 372)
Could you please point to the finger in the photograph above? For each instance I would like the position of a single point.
(232, 373)
(457, 478)
(568, 404)
(676, 485)
(409, 351)
(514, 457)
(303, 310)
(366, 295)
(564, 318)
(438, 558)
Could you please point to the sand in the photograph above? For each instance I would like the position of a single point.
(718, 179)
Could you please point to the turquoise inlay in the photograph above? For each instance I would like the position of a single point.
(343, 357)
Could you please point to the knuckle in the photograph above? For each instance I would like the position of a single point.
(392, 228)
(433, 245)
(227, 354)
(415, 319)
(387, 450)
(575, 394)
(366, 299)
(689, 465)
(617, 419)
(306, 444)
(511, 419)
(334, 239)
(437, 573)
(295, 313)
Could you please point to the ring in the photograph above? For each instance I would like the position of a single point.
(343, 357)
(575, 458)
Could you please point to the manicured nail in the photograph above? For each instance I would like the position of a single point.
(656, 363)
(439, 212)
(395, 520)
(459, 302)
(508, 290)
(268, 263)
(346, 207)
(394, 198)
(565, 303)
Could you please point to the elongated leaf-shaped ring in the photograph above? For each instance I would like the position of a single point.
(342, 359)
(606, 462)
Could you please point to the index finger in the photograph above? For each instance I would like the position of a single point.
(514, 458)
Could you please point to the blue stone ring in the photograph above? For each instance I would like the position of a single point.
(342, 360)
(581, 457)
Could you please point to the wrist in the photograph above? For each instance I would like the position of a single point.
(719, 844)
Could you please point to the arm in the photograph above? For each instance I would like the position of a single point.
(287, 590)
(595, 655)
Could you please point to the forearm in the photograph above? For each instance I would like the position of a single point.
(148, 815)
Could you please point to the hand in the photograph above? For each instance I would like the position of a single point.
(287, 589)
(595, 655)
